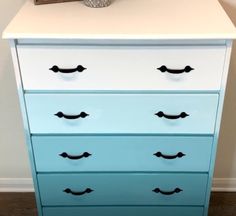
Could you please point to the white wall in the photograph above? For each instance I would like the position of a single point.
(226, 157)
(13, 155)
(14, 164)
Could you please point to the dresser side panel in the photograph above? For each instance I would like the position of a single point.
(218, 123)
(25, 121)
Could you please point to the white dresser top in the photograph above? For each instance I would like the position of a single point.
(124, 19)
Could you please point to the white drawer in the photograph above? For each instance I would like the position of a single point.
(121, 67)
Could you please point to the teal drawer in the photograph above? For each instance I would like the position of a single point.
(122, 189)
(122, 153)
(121, 113)
(123, 211)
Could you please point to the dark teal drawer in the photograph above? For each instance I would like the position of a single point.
(122, 189)
(123, 211)
(122, 153)
(122, 113)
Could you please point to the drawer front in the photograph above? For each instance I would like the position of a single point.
(122, 113)
(122, 189)
(121, 68)
(123, 211)
(116, 153)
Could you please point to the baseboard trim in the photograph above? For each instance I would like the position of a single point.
(26, 185)
(16, 185)
(224, 185)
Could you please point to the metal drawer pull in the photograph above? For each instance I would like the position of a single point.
(162, 114)
(69, 191)
(176, 190)
(170, 157)
(75, 157)
(56, 69)
(163, 69)
(62, 115)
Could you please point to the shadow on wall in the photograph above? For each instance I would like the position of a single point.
(226, 156)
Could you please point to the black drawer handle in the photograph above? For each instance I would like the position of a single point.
(163, 69)
(176, 190)
(56, 69)
(62, 115)
(162, 114)
(170, 157)
(78, 193)
(75, 157)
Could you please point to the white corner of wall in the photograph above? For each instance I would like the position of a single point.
(16, 185)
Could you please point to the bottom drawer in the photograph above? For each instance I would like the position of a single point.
(122, 189)
(123, 211)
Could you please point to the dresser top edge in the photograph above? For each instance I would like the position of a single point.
(118, 42)
(133, 19)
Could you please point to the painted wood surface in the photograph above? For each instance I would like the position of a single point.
(133, 19)
(123, 211)
(122, 113)
(20, 92)
(122, 153)
(218, 124)
(122, 189)
(121, 67)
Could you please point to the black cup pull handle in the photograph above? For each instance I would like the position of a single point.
(62, 115)
(167, 193)
(78, 193)
(75, 157)
(170, 157)
(164, 69)
(172, 117)
(56, 69)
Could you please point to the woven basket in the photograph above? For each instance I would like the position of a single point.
(97, 3)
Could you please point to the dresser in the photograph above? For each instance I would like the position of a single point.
(122, 105)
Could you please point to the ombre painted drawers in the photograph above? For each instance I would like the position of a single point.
(143, 147)
(121, 121)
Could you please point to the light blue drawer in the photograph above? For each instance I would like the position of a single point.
(122, 113)
(122, 153)
(123, 211)
(122, 189)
